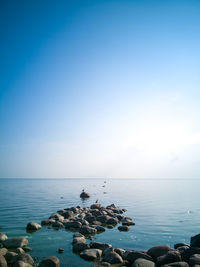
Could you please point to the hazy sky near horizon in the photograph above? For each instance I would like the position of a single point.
(100, 88)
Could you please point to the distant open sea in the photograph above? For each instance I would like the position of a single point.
(165, 211)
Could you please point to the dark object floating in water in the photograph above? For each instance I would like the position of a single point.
(60, 250)
(84, 194)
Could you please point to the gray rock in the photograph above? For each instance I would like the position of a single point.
(25, 258)
(79, 240)
(158, 251)
(68, 214)
(11, 257)
(100, 229)
(79, 247)
(15, 242)
(87, 230)
(57, 217)
(3, 237)
(57, 224)
(102, 264)
(95, 206)
(177, 264)
(112, 221)
(133, 255)
(3, 251)
(123, 228)
(187, 252)
(169, 257)
(194, 260)
(3, 262)
(50, 262)
(47, 222)
(180, 245)
(73, 224)
(103, 218)
(120, 251)
(21, 264)
(112, 257)
(195, 241)
(84, 195)
(127, 221)
(143, 263)
(33, 226)
(91, 254)
(100, 245)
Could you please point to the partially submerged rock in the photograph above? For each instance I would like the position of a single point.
(158, 251)
(91, 254)
(143, 263)
(15, 242)
(50, 262)
(33, 226)
(84, 195)
(3, 237)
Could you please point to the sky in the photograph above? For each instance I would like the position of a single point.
(100, 89)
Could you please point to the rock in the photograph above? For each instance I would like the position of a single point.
(127, 221)
(181, 245)
(133, 255)
(194, 260)
(11, 257)
(102, 264)
(19, 250)
(78, 240)
(124, 228)
(87, 230)
(112, 221)
(21, 264)
(84, 195)
(187, 252)
(143, 263)
(3, 251)
(3, 237)
(50, 262)
(177, 264)
(158, 251)
(91, 254)
(27, 249)
(47, 222)
(3, 262)
(100, 245)
(120, 251)
(103, 218)
(110, 226)
(57, 217)
(169, 257)
(95, 206)
(60, 250)
(57, 224)
(100, 229)
(25, 258)
(68, 214)
(15, 242)
(79, 247)
(195, 241)
(33, 226)
(112, 257)
(73, 224)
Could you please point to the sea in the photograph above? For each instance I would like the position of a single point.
(164, 211)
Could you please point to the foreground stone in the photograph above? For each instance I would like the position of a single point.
(25, 258)
(158, 251)
(50, 262)
(3, 251)
(15, 242)
(177, 264)
(133, 255)
(194, 260)
(112, 257)
(169, 257)
(124, 228)
(91, 254)
(143, 263)
(3, 262)
(33, 226)
(87, 230)
(21, 264)
(3, 237)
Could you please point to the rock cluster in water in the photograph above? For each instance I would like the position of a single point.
(14, 253)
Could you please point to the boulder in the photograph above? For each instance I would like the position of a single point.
(133, 255)
(177, 264)
(180, 245)
(84, 195)
(169, 257)
(33, 226)
(25, 258)
(112, 221)
(127, 221)
(57, 225)
(112, 257)
(103, 218)
(47, 222)
(50, 262)
(91, 254)
(158, 251)
(195, 241)
(73, 224)
(95, 206)
(120, 251)
(79, 247)
(11, 257)
(57, 217)
(3, 262)
(3, 251)
(15, 242)
(21, 264)
(78, 239)
(68, 214)
(143, 263)
(100, 229)
(194, 260)
(3, 237)
(187, 252)
(27, 249)
(87, 230)
(19, 250)
(123, 228)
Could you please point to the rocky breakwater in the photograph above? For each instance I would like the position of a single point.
(14, 253)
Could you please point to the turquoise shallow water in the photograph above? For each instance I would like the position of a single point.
(165, 211)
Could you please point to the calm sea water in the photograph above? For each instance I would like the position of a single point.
(165, 211)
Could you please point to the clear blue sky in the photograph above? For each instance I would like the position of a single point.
(100, 88)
